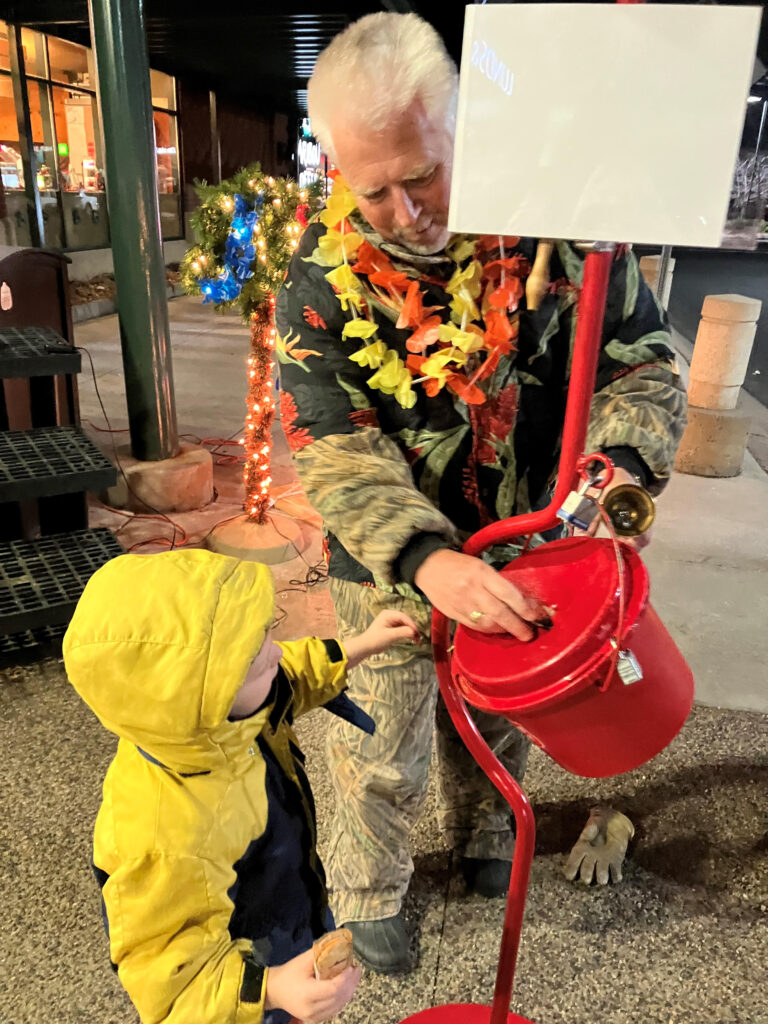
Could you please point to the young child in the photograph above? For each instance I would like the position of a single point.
(204, 845)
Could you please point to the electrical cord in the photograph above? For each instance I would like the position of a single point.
(314, 575)
(216, 443)
(135, 515)
(317, 573)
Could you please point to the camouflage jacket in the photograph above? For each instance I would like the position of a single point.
(394, 484)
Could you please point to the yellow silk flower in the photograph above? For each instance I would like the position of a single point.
(438, 366)
(465, 287)
(404, 393)
(394, 378)
(336, 246)
(350, 289)
(371, 355)
(460, 248)
(350, 299)
(343, 279)
(471, 340)
(463, 306)
(358, 329)
(467, 280)
(339, 205)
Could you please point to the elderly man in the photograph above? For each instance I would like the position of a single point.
(424, 398)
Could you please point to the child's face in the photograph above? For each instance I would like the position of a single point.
(258, 681)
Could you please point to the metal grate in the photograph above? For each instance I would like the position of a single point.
(41, 580)
(24, 353)
(31, 645)
(51, 460)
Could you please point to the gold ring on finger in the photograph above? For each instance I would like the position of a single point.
(476, 616)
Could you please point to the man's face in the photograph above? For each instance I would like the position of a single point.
(401, 177)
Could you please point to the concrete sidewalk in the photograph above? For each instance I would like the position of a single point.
(709, 566)
(683, 940)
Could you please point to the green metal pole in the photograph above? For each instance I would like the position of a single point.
(122, 65)
(26, 141)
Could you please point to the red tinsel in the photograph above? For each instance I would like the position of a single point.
(260, 412)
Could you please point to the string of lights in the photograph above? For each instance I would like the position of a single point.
(248, 228)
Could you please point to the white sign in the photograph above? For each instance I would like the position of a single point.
(615, 122)
(308, 153)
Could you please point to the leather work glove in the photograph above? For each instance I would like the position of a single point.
(601, 847)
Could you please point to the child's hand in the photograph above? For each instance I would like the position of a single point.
(294, 988)
(389, 627)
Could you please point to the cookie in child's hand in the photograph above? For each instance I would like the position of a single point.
(333, 954)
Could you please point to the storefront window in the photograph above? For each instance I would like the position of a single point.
(69, 63)
(45, 162)
(77, 142)
(5, 51)
(80, 169)
(163, 90)
(14, 225)
(168, 187)
(33, 45)
(67, 154)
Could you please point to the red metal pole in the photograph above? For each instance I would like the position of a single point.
(525, 823)
(586, 349)
(597, 268)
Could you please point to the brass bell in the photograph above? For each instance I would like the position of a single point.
(630, 508)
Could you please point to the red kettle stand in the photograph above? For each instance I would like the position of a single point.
(597, 268)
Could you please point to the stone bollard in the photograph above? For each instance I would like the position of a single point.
(649, 268)
(722, 350)
(716, 435)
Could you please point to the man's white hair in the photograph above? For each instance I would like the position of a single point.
(375, 69)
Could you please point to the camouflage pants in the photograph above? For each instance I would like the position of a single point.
(380, 781)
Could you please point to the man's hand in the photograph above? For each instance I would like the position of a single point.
(601, 847)
(294, 988)
(620, 476)
(468, 590)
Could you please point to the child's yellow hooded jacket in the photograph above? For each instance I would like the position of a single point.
(205, 840)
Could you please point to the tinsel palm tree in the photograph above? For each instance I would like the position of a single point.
(247, 229)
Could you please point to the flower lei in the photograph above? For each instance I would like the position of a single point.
(239, 254)
(440, 354)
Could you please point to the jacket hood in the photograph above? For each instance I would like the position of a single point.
(160, 644)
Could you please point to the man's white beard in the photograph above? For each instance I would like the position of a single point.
(427, 250)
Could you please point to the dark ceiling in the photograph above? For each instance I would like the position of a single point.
(255, 52)
(258, 53)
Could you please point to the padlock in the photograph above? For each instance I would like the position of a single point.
(579, 509)
(628, 668)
